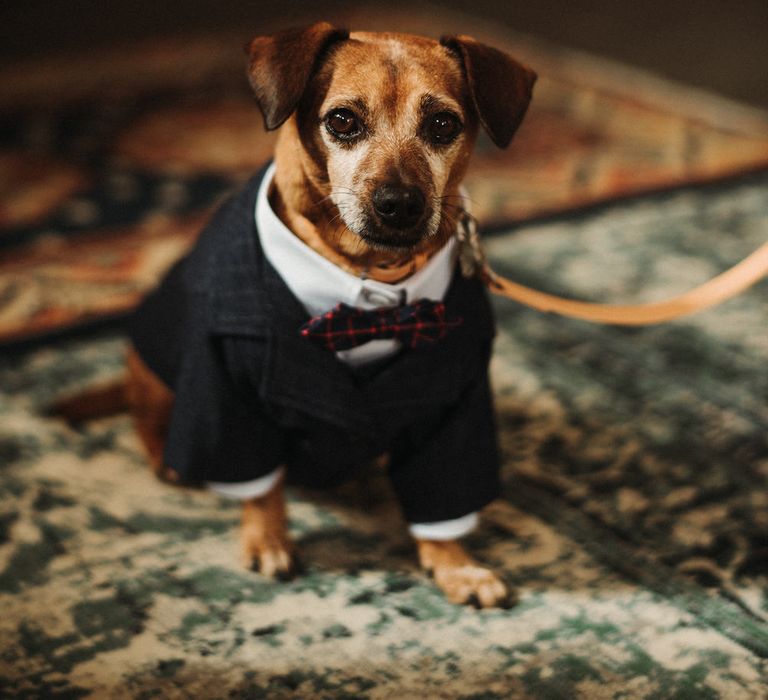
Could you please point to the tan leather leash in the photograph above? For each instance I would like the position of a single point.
(726, 285)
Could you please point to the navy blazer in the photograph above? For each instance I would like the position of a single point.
(222, 331)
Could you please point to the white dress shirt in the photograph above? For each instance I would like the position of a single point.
(320, 285)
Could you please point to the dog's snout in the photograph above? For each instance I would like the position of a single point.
(399, 206)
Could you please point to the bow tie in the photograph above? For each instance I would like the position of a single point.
(347, 327)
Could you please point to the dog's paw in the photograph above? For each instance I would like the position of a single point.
(462, 579)
(272, 557)
(473, 585)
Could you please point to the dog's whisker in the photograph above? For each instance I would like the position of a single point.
(445, 200)
(466, 200)
(335, 191)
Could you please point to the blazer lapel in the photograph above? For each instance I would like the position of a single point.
(252, 300)
(303, 377)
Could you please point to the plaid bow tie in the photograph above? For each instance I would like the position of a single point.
(347, 327)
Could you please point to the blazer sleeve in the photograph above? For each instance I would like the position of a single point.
(448, 465)
(218, 430)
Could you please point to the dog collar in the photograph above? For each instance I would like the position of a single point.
(397, 270)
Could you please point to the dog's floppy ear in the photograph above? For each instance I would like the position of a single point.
(281, 65)
(500, 86)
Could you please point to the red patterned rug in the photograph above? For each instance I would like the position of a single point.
(109, 164)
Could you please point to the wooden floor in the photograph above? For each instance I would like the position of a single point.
(709, 43)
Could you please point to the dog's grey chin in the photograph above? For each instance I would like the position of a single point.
(384, 238)
(384, 242)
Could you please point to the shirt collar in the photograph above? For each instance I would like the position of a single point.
(319, 284)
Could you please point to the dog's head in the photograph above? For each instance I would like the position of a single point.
(385, 124)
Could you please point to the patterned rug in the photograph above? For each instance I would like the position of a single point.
(109, 163)
(634, 521)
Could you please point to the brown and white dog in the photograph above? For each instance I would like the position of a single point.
(376, 132)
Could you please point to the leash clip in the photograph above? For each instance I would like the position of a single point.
(472, 258)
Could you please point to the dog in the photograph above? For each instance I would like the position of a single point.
(228, 381)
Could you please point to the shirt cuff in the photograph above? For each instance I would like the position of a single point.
(445, 529)
(245, 490)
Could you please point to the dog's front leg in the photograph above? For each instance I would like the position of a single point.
(460, 577)
(266, 546)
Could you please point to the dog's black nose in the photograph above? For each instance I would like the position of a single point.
(399, 206)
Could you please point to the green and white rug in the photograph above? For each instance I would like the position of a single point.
(634, 521)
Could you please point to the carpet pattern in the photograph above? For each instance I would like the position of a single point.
(634, 519)
(109, 164)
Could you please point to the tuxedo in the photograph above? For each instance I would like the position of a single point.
(222, 331)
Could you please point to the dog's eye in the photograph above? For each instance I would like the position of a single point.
(343, 124)
(443, 127)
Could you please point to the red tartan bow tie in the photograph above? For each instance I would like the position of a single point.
(347, 327)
